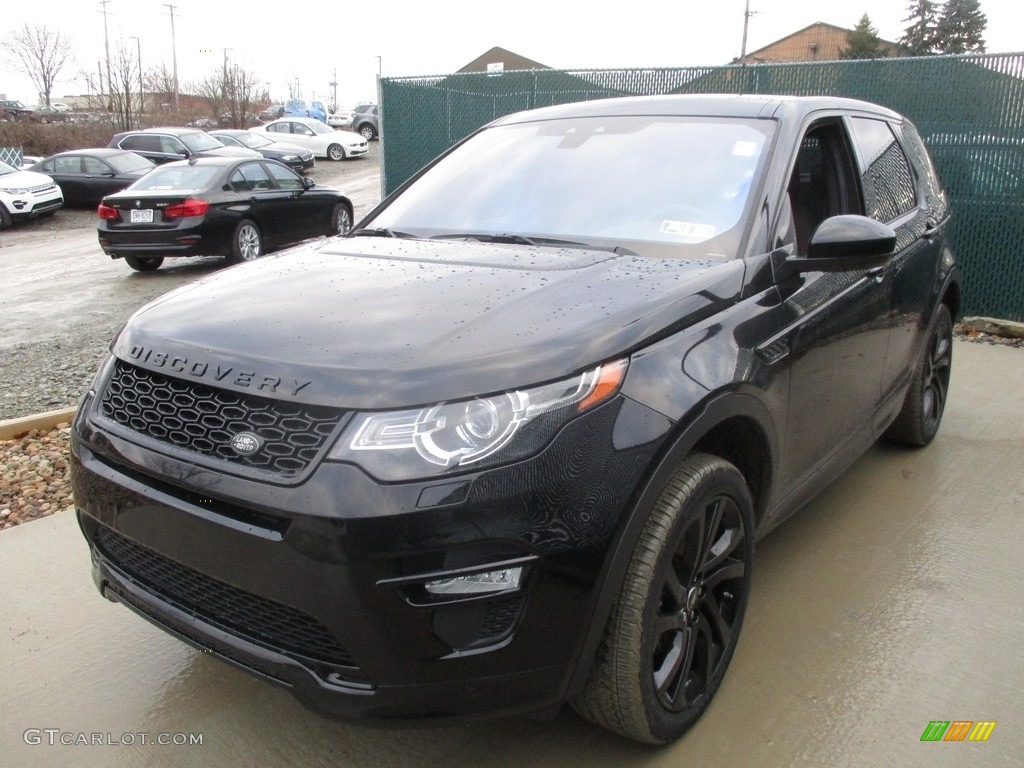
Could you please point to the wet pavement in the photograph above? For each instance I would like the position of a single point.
(892, 600)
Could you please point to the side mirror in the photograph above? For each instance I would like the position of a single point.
(846, 243)
(308, 183)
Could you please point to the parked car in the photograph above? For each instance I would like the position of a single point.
(86, 175)
(510, 442)
(24, 194)
(316, 136)
(339, 119)
(295, 157)
(60, 106)
(366, 121)
(239, 208)
(272, 112)
(14, 110)
(44, 114)
(165, 145)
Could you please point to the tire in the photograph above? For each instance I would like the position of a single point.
(246, 242)
(368, 132)
(5, 217)
(335, 152)
(676, 622)
(919, 418)
(144, 263)
(341, 221)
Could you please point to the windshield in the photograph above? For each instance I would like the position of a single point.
(251, 140)
(661, 185)
(5, 169)
(182, 178)
(199, 141)
(129, 162)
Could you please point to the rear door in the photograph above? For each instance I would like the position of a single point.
(268, 204)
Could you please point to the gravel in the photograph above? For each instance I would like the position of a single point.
(34, 480)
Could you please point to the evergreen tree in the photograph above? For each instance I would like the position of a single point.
(863, 42)
(920, 36)
(961, 27)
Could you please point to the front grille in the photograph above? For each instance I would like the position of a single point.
(42, 188)
(202, 419)
(264, 622)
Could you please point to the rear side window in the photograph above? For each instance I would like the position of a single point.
(67, 165)
(886, 177)
(142, 143)
(250, 177)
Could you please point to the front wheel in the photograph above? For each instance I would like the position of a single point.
(677, 619)
(341, 221)
(246, 243)
(335, 152)
(144, 263)
(5, 217)
(919, 418)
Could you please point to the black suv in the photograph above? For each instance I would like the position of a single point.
(15, 110)
(164, 145)
(509, 444)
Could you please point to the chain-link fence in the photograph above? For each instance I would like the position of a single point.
(970, 109)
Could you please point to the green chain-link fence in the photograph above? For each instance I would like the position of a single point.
(970, 109)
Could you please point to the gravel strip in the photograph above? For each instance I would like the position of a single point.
(34, 481)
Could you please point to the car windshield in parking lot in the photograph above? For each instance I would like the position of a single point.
(667, 186)
(181, 178)
(199, 141)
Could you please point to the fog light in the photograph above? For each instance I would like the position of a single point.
(505, 580)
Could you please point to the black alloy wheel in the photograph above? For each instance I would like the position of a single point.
(919, 419)
(676, 623)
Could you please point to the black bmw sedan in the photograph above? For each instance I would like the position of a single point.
(239, 208)
(509, 443)
(85, 176)
(297, 158)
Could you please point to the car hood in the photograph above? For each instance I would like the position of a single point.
(24, 179)
(376, 323)
(228, 152)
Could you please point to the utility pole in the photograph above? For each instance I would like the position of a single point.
(174, 54)
(334, 89)
(747, 13)
(106, 45)
(138, 47)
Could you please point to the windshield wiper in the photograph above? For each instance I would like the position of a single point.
(505, 237)
(381, 232)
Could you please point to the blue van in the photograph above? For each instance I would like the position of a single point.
(306, 108)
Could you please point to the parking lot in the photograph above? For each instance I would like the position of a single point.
(891, 601)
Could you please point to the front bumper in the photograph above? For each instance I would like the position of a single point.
(319, 585)
(35, 201)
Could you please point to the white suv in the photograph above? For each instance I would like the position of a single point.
(26, 193)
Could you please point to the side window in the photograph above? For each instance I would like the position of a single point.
(886, 178)
(142, 143)
(823, 182)
(47, 167)
(250, 177)
(285, 178)
(171, 146)
(67, 165)
(92, 165)
(922, 161)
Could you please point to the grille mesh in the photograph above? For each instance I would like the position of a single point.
(201, 419)
(264, 622)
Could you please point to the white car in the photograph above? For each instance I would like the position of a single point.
(312, 134)
(26, 193)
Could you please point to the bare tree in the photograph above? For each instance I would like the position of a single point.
(232, 94)
(40, 53)
(124, 75)
(161, 85)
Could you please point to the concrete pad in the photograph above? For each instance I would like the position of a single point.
(892, 600)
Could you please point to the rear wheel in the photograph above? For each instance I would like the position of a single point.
(919, 419)
(246, 243)
(144, 263)
(677, 619)
(335, 152)
(368, 132)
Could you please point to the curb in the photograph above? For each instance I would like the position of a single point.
(13, 428)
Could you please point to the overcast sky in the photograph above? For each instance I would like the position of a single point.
(308, 40)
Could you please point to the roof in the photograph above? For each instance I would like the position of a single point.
(508, 60)
(819, 41)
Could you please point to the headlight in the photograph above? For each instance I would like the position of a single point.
(14, 190)
(472, 434)
(290, 158)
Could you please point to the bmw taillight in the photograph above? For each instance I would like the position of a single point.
(106, 212)
(190, 207)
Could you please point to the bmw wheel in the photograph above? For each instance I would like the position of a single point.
(925, 402)
(246, 243)
(341, 221)
(677, 619)
(144, 263)
(335, 152)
